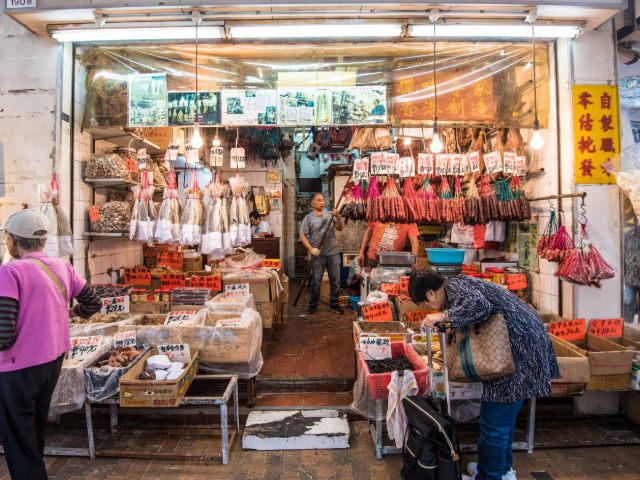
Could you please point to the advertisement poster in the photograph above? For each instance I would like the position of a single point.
(148, 100)
(596, 133)
(249, 107)
(296, 106)
(182, 108)
(359, 105)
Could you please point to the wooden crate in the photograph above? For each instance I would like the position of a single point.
(136, 393)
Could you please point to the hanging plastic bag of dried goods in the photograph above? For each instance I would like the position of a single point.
(216, 222)
(59, 241)
(192, 214)
(239, 214)
(168, 224)
(261, 200)
(143, 213)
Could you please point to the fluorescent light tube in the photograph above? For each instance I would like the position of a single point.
(495, 31)
(123, 34)
(316, 31)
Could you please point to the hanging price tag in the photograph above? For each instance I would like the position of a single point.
(509, 163)
(237, 158)
(125, 339)
(216, 156)
(406, 167)
(236, 290)
(389, 288)
(425, 164)
(403, 286)
(521, 165)
(569, 329)
(454, 164)
(170, 281)
(177, 352)
(375, 348)
(474, 162)
(94, 213)
(177, 319)
(171, 260)
(115, 304)
(516, 281)
(212, 282)
(360, 169)
(138, 276)
(442, 164)
(493, 162)
(606, 327)
(193, 155)
(82, 347)
(391, 160)
(378, 166)
(377, 312)
(464, 164)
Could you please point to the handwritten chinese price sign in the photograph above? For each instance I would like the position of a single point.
(115, 304)
(516, 281)
(82, 347)
(596, 132)
(179, 318)
(569, 329)
(212, 282)
(377, 312)
(236, 290)
(403, 287)
(125, 339)
(138, 277)
(609, 327)
(170, 259)
(375, 348)
(169, 281)
(389, 288)
(177, 352)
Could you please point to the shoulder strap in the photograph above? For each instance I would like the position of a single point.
(54, 278)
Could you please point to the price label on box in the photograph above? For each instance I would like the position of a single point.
(236, 290)
(377, 312)
(389, 288)
(177, 352)
(415, 317)
(178, 318)
(125, 339)
(606, 327)
(82, 347)
(403, 286)
(138, 277)
(169, 281)
(375, 348)
(94, 213)
(569, 329)
(469, 269)
(171, 260)
(516, 281)
(271, 263)
(115, 304)
(212, 282)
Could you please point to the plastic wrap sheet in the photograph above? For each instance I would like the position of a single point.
(70, 392)
(244, 371)
(465, 410)
(222, 304)
(363, 403)
(104, 382)
(82, 329)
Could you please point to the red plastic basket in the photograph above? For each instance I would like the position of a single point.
(377, 382)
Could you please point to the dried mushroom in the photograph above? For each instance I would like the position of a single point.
(113, 217)
(107, 166)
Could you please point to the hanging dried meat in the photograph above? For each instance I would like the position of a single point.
(489, 200)
(458, 203)
(393, 209)
(431, 203)
(374, 210)
(59, 241)
(168, 224)
(523, 202)
(474, 214)
(508, 206)
(446, 202)
(414, 207)
(548, 235)
(560, 244)
(353, 206)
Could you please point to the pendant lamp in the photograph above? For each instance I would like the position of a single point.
(536, 142)
(436, 143)
(196, 139)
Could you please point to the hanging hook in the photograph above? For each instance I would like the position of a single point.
(583, 214)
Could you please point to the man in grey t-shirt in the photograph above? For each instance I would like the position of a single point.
(326, 255)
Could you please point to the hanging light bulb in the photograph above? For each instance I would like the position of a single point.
(407, 142)
(436, 145)
(216, 141)
(196, 139)
(536, 142)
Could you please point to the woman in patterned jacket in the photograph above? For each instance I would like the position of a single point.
(463, 300)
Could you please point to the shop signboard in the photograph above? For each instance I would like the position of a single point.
(596, 133)
(359, 105)
(375, 348)
(182, 108)
(147, 100)
(608, 327)
(249, 107)
(296, 106)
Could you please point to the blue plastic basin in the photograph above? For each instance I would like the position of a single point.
(445, 256)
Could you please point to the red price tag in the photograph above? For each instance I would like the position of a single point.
(377, 312)
(606, 327)
(170, 260)
(389, 288)
(416, 317)
(94, 213)
(569, 329)
(212, 282)
(404, 285)
(138, 277)
(272, 263)
(516, 281)
(469, 269)
(169, 281)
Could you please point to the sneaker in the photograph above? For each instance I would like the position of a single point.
(337, 309)
(311, 310)
(472, 469)
(510, 475)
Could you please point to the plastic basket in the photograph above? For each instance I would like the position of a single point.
(445, 256)
(377, 382)
(353, 302)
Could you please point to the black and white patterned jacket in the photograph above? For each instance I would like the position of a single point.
(471, 300)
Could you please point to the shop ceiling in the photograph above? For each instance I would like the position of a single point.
(51, 15)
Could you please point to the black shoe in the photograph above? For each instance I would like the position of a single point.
(311, 310)
(337, 309)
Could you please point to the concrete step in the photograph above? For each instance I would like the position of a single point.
(296, 430)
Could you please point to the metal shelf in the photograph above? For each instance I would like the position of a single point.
(110, 182)
(105, 235)
(123, 138)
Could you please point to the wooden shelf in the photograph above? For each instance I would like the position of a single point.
(123, 138)
(110, 182)
(105, 235)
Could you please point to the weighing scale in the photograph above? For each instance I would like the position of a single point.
(444, 269)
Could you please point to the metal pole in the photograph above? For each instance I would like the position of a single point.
(558, 197)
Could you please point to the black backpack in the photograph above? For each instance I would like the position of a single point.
(431, 450)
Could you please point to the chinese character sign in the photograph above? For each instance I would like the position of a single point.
(596, 132)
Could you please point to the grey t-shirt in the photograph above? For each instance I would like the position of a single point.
(313, 228)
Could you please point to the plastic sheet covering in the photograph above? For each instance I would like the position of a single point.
(80, 329)
(363, 402)
(104, 382)
(247, 258)
(70, 392)
(482, 82)
(465, 410)
(59, 241)
(222, 304)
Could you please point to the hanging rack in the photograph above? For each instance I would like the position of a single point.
(581, 195)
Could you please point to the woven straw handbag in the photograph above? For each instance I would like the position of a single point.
(480, 352)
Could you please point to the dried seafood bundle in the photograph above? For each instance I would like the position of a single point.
(240, 227)
(192, 214)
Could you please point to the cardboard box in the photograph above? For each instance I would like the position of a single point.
(404, 305)
(626, 343)
(267, 311)
(153, 393)
(574, 370)
(262, 288)
(632, 332)
(396, 331)
(192, 263)
(150, 307)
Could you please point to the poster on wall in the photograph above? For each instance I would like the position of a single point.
(596, 133)
(359, 105)
(148, 100)
(296, 106)
(182, 108)
(249, 107)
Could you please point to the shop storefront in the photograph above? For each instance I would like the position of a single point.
(494, 134)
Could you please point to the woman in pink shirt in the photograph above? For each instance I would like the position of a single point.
(35, 291)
